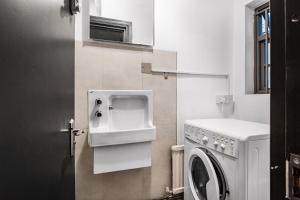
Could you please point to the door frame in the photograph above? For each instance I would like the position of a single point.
(278, 101)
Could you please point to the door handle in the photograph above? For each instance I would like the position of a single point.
(72, 138)
(72, 133)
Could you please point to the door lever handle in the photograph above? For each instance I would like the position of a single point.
(78, 132)
(72, 133)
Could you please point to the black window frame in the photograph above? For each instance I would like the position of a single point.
(262, 65)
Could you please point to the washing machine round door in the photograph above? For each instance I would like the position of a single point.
(202, 177)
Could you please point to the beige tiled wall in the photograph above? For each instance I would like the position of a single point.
(107, 68)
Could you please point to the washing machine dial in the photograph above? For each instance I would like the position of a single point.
(223, 146)
(205, 139)
(216, 143)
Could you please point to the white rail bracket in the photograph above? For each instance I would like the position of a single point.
(147, 68)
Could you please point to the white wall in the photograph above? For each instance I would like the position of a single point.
(201, 31)
(252, 107)
(249, 50)
(139, 12)
(95, 7)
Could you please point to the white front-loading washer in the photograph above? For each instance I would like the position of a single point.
(226, 159)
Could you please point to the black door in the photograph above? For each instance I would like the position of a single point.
(278, 150)
(293, 76)
(293, 93)
(37, 99)
(285, 94)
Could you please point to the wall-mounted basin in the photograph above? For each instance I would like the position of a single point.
(120, 117)
(120, 129)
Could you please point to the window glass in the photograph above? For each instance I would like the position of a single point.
(263, 49)
(261, 24)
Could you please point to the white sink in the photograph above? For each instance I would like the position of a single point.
(120, 117)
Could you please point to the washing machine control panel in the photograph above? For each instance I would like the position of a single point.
(209, 139)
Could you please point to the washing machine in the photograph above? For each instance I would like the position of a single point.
(226, 159)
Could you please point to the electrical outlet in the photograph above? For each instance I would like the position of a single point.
(224, 99)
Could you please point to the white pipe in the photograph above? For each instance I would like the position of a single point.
(189, 73)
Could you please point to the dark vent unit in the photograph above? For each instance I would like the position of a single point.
(110, 29)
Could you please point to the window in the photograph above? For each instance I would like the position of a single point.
(262, 49)
(110, 29)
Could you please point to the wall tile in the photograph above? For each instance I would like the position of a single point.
(165, 95)
(88, 75)
(165, 90)
(161, 159)
(121, 70)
